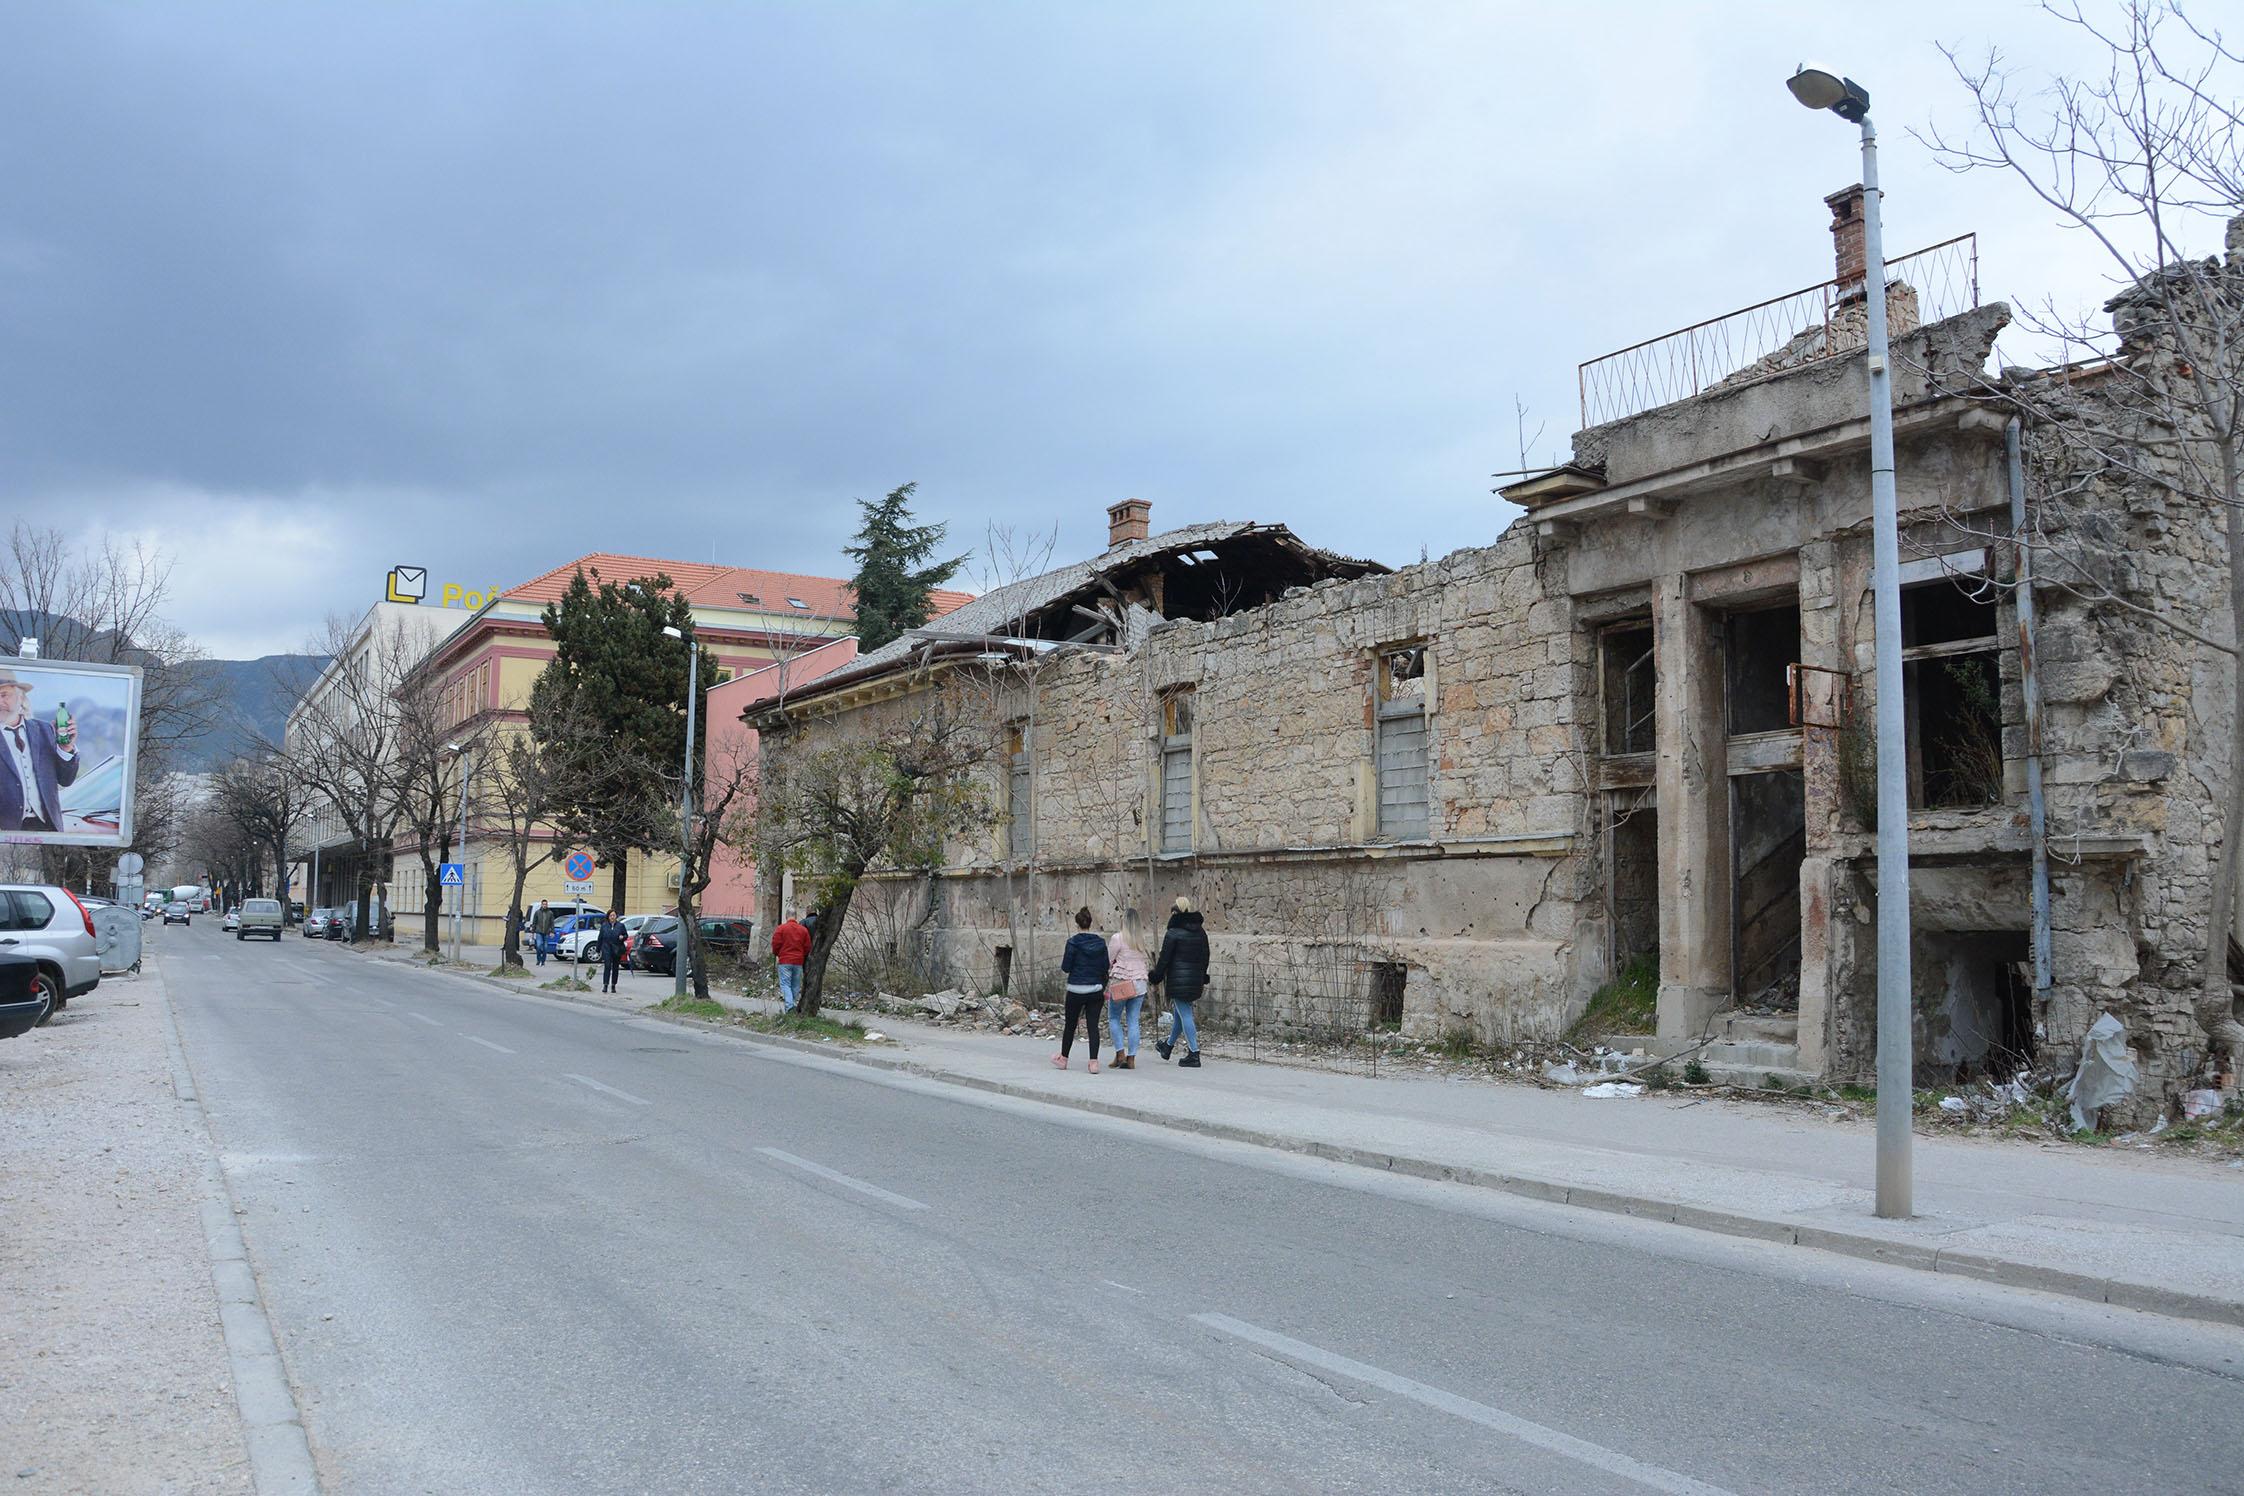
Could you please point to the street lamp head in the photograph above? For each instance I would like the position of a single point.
(455, 749)
(673, 633)
(1820, 88)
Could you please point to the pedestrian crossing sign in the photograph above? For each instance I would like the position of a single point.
(451, 874)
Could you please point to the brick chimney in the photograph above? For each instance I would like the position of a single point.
(1127, 521)
(1846, 238)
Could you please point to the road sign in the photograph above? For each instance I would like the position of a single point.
(131, 865)
(577, 867)
(451, 874)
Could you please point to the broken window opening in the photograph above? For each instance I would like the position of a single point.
(1004, 955)
(1399, 748)
(1758, 649)
(1768, 842)
(1632, 877)
(1626, 682)
(1951, 653)
(1176, 772)
(1020, 819)
(1975, 1005)
(1388, 981)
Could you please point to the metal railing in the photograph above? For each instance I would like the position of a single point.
(1770, 337)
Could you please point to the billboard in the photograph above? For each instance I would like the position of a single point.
(69, 752)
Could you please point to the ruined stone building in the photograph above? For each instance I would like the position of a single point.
(1462, 795)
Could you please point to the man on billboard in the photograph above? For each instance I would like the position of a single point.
(37, 759)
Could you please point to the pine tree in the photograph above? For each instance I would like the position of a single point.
(894, 578)
(619, 684)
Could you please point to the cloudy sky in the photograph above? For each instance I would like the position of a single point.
(302, 291)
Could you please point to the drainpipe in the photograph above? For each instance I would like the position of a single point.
(2037, 813)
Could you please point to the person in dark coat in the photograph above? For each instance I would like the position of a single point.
(1181, 972)
(541, 930)
(611, 951)
(1084, 964)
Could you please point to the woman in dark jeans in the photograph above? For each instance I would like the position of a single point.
(611, 951)
(1084, 965)
(1182, 975)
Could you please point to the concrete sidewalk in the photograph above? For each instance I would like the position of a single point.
(2157, 1232)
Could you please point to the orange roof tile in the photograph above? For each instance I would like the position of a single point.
(717, 586)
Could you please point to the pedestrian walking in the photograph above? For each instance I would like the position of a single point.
(790, 951)
(1083, 963)
(1182, 975)
(1125, 989)
(541, 930)
(611, 950)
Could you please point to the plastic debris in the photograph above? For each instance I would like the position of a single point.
(1605, 1090)
(1566, 1073)
(1954, 1104)
(2196, 1104)
(2106, 1074)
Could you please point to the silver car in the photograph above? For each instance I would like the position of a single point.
(49, 925)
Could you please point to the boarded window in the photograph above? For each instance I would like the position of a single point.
(1020, 816)
(1176, 772)
(1759, 649)
(1401, 745)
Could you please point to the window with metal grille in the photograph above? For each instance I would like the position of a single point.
(1401, 742)
(1176, 772)
(1020, 809)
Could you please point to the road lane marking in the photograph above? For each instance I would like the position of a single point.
(432, 1023)
(1126, 1288)
(586, 1080)
(901, 1202)
(1611, 1461)
(487, 1044)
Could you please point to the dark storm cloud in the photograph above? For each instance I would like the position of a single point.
(301, 290)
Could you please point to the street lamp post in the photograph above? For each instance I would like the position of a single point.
(1819, 88)
(459, 895)
(685, 815)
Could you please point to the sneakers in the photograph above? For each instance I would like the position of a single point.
(1094, 1067)
(1162, 1049)
(1190, 1061)
(1059, 1062)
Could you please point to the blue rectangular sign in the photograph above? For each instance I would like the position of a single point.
(451, 874)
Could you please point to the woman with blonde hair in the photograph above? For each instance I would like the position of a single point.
(1125, 989)
(1182, 975)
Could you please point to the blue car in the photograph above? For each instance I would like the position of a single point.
(569, 934)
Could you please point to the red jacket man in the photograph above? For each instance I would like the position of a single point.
(790, 948)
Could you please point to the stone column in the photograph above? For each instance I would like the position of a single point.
(1694, 791)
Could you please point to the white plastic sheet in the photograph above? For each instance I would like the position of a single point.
(2106, 1074)
(1605, 1090)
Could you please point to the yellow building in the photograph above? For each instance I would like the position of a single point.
(744, 618)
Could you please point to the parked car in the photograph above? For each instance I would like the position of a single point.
(23, 1004)
(324, 924)
(726, 938)
(232, 921)
(574, 937)
(177, 913)
(49, 925)
(257, 917)
(654, 947)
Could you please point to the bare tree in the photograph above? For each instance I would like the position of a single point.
(523, 781)
(885, 797)
(344, 741)
(2142, 156)
(723, 815)
(259, 794)
(432, 755)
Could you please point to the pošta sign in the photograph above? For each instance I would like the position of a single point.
(410, 584)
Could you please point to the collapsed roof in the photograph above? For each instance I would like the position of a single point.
(1199, 571)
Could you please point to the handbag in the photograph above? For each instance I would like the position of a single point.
(1121, 990)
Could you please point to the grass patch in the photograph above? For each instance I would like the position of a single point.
(515, 973)
(567, 984)
(1629, 1004)
(1458, 1044)
(693, 1007)
(1694, 1073)
(795, 1025)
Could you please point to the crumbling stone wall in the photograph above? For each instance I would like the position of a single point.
(1302, 899)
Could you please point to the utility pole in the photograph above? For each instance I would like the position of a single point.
(685, 816)
(1818, 88)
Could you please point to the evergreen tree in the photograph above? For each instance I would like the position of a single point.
(894, 576)
(612, 705)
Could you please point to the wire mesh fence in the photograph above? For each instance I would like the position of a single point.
(1784, 332)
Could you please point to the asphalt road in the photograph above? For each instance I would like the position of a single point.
(515, 1245)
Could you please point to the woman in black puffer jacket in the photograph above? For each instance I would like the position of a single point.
(1182, 975)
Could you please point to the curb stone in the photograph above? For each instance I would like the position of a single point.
(2007, 1272)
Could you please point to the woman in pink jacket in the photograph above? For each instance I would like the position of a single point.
(1125, 990)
